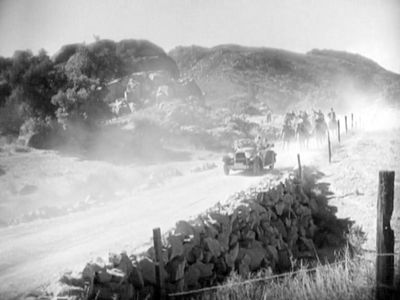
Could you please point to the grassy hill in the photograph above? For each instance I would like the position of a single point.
(229, 74)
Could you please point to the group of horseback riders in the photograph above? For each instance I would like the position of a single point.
(302, 126)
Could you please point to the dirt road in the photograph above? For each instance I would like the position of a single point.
(34, 253)
(37, 252)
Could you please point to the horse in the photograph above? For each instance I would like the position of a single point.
(288, 135)
(320, 131)
(332, 126)
(303, 134)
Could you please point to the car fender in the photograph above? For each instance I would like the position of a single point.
(227, 159)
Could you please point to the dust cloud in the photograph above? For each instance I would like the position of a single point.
(373, 114)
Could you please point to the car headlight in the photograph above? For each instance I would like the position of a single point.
(247, 155)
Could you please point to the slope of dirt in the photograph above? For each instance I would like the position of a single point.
(35, 253)
(353, 176)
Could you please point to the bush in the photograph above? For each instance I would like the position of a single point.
(13, 114)
(81, 105)
(39, 133)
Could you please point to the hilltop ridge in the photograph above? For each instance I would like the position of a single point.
(281, 78)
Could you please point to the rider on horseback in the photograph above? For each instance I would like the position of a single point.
(319, 116)
(288, 130)
(258, 141)
(320, 126)
(332, 124)
(332, 115)
(289, 117)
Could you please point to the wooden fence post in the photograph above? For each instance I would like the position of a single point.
(160, 283)
(329, 148)
(345, 123)
(352, 121)
(384, 236)
(338, 131)
(299, 166)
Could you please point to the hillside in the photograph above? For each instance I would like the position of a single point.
(231, 74)
(115, 59)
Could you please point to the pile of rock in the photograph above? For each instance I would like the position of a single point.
(262, 230)
(253, 230)
(117, 279)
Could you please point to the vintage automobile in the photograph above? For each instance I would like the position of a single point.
(250, 156)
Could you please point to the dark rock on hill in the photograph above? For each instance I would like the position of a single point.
(108, 60)
(65, 53)
(282, 79)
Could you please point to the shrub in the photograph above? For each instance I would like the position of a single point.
(13, 113)
(82, 104)
(39, 133)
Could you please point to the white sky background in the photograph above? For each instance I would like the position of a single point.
(368, 27)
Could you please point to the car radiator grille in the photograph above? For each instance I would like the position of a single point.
(240, 158)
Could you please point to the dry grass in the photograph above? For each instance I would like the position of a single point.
(347, 279)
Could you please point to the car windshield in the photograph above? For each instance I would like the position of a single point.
(244, 143)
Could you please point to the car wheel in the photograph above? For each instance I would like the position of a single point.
(226, 169)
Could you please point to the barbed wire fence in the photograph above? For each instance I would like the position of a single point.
(199, 293)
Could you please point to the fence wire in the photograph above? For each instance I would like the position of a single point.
(278, 276)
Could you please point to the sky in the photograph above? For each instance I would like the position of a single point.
(367, 27)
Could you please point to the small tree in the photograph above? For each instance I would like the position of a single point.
(13, 113)
(81, 104)
(81, 100)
